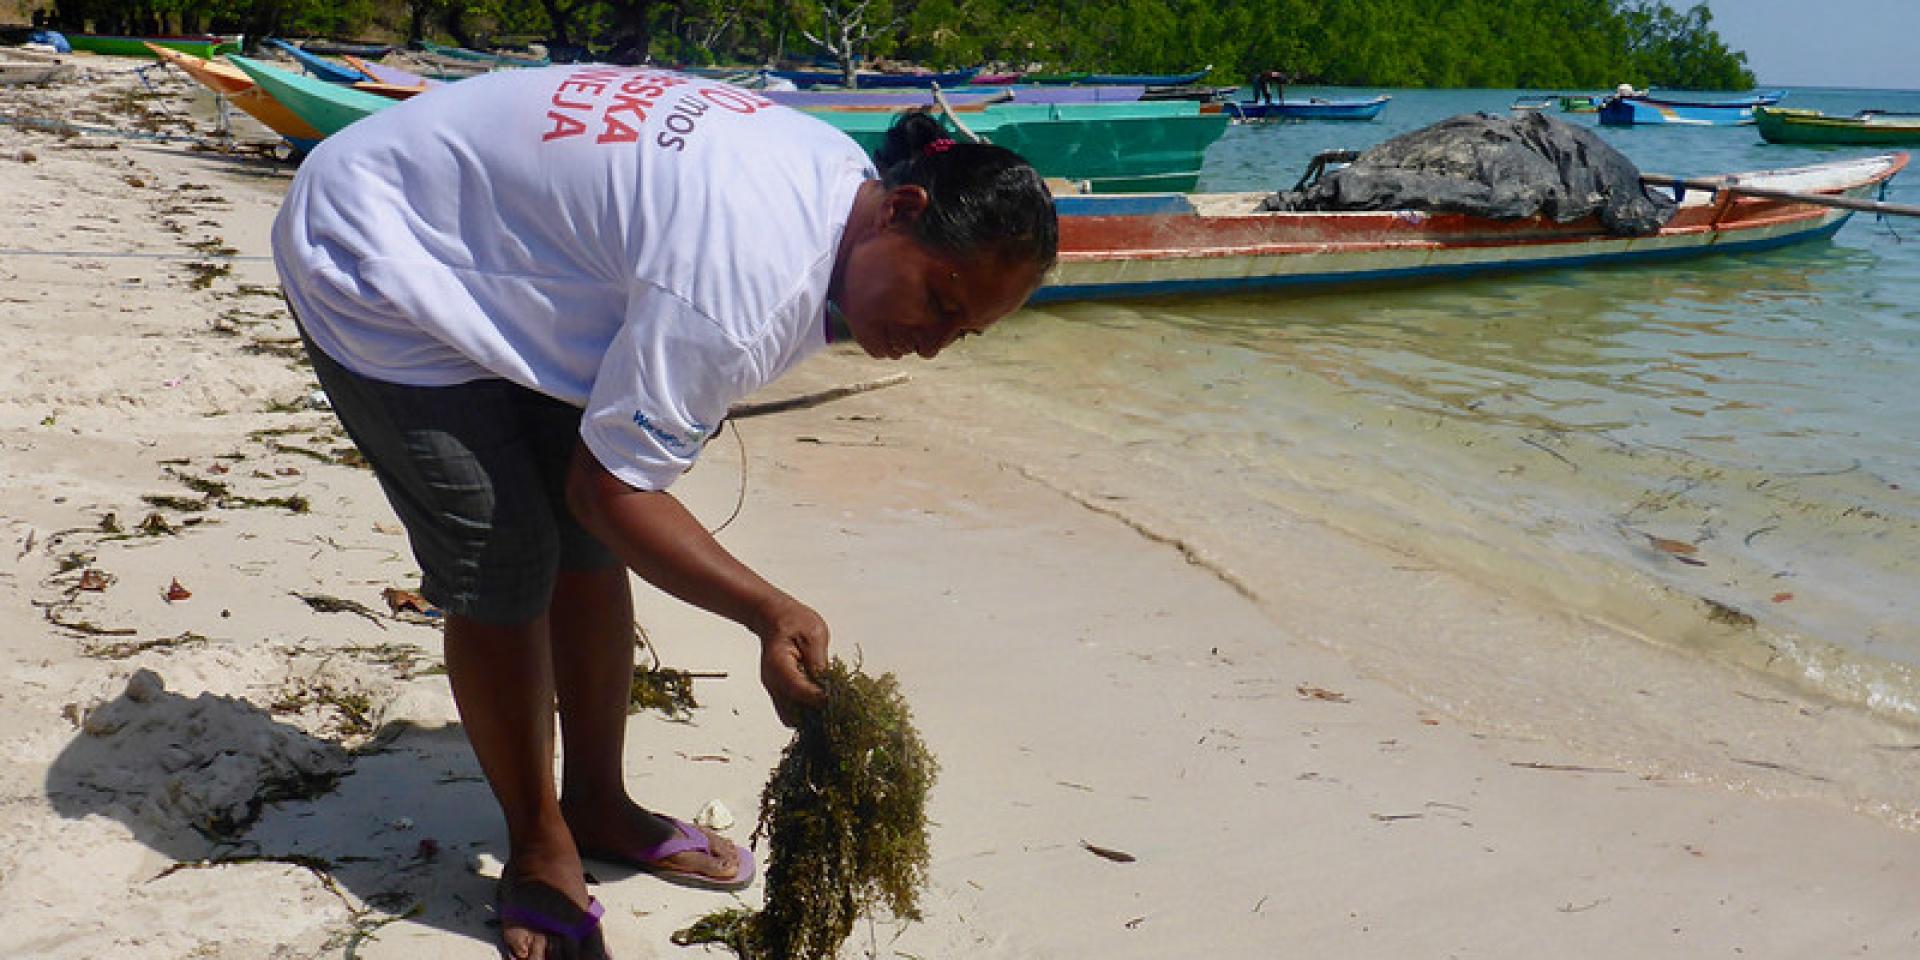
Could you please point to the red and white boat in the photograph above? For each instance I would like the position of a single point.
(1155, 245)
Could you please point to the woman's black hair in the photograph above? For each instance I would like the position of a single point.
(982, 198)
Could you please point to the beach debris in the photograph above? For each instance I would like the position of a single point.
(845, 817)
(401, 823)
(94, 580)
(1721, 613)
(662, 688)
(1561, 767)
(741, 411)
(714, 816)
(1135, 922)
(1108, 853)
(1308, 691)
(130, 648)
(353, 708)
(1782, 597)
(322, 603)
(407, 601)
(176, 593)
(485, 865)
(428, 849)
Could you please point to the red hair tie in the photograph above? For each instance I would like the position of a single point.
(941, 145)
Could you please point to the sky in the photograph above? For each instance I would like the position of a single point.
(1828, 43)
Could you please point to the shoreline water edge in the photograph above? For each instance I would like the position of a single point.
(1224, 651)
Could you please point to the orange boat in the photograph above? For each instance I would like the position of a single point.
(229, 82)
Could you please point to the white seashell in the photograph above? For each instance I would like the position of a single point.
(485, 864)
(714, 816)
(403, 823)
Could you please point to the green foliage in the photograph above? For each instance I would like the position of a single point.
(845, 816)
(1551, 44)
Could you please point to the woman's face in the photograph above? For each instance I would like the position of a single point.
(900, 297)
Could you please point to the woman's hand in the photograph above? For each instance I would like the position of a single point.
(793, 650)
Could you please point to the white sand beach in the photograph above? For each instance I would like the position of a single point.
(270, 767)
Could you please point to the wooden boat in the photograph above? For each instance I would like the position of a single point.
(1173, 245)
(204, 46)
(346, 48)
(1639, 109)
(317, 65)
(1313, 108)
(326, 107)
(485, 57)
(20, 73)
(229, 82)
(1866, 128)
(876, 80)
(1116, 147)
(391, 76)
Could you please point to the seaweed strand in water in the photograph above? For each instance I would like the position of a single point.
(845, 814)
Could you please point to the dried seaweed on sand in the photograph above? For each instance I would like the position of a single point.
(845, 818)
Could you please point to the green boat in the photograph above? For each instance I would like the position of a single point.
(1580, 103)
(1055, 79)
(327, 107)
(1146, 146)
(1867, 128)
(205, 47)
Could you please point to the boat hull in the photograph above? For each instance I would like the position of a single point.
(1808, 126)
(1114, 147)
(206, 48)
(326, 107)
(318, 65)
(1353, 110)
(1644, 111)
(807, 79)
(227, 80)
(1168, 245)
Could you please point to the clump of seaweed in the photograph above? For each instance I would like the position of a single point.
(662, 688)
(845, 817)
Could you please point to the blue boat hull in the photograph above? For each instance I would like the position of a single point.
(1308, 109)
(878, 81)
(318, 66)
(1639, 111)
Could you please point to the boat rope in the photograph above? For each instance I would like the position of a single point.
(959, 124)
(136, 255)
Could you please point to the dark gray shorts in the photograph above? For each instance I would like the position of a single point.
(477, 473)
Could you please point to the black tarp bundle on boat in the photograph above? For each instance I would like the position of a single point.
(1499, 167)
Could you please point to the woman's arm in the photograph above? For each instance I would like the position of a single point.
(655, 536)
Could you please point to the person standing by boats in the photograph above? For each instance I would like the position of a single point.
(531, 298)
(1269, 86)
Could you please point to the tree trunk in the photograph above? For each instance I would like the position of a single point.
(630, 32)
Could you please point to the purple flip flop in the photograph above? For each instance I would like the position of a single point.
(685, 837)
(572, 933)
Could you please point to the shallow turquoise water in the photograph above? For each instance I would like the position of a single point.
(1722, 454)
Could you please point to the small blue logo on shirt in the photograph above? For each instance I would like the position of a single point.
(669, 439)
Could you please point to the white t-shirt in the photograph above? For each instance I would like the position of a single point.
(646, 245)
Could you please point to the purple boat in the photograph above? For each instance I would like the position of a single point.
(877, 100)
(1121, 93)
